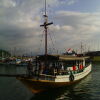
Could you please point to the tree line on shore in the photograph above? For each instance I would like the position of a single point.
(4, 53)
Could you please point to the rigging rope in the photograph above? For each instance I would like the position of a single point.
(53, 42)
(41, 41)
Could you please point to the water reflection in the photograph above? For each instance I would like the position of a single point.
(78, 91)
(11, 69)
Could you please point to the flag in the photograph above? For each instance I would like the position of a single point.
(69, 51)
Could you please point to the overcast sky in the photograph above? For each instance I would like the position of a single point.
(75, 21)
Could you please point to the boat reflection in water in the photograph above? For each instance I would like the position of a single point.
(79, 91)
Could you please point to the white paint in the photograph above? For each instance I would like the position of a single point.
(78, 76)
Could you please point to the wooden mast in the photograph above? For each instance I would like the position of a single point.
(46, 21)
(46, 28)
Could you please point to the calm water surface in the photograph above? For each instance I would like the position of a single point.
(87, 89)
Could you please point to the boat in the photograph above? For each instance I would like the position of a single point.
(54, 71)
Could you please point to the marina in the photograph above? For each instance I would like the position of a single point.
(12, 89)
(55, 74)
(53, 71)
(64, 70)
(50, 71)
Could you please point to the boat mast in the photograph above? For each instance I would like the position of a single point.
(46, 28)
(45, 8)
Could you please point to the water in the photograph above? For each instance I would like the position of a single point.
(87, 89)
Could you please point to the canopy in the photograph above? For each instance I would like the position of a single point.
(59, 57)
(72, 58)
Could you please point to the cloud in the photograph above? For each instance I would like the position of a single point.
(83, 27)
(20, 25)
(68, 2)
(7, 3)
(72, 2)
(64, 27)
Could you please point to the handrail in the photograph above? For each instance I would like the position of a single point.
(51, 76)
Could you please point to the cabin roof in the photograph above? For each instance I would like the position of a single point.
(67, 57)
(60, 57)
(47, 57)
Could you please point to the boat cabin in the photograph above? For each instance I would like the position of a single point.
(59, 64)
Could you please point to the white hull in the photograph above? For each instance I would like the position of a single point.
(77, 76)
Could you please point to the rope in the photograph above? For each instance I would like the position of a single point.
(53, 43)
(40, 46)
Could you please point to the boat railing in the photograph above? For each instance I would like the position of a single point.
(47, 74)
(59, 72)
(44, 75)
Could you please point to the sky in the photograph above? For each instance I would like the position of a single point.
(74, 22)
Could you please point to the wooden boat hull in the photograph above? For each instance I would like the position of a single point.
(38, 85)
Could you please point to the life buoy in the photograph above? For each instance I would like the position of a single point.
(71, 77)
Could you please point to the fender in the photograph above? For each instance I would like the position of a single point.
(71, 77)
